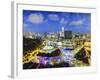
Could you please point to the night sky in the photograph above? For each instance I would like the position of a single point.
(49, 21)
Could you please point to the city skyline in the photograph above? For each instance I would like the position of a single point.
(49, 21)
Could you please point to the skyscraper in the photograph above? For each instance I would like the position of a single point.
(62, 32)
(67, 34)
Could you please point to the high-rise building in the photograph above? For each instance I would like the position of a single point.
(68, 34)
(62, 32)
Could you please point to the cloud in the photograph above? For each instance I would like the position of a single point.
(77, 22)
(63, 21)
(25, 25)
(53, 17)
(36, 18)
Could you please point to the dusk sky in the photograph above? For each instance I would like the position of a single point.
(47, 21)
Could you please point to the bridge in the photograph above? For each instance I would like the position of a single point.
(77, 49)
